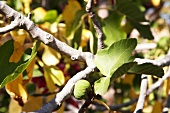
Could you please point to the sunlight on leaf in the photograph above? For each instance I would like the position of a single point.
(114, 56)
(53, 77)
(101, 85)
(49, 57)
(112, 28)
(39, 14)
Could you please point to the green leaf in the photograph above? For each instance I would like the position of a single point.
(51, 16)
(110, 59)
(144, 30)
(81, 88)
(31, 88)
(135, 16)
(122, 70)
(101, 85)
(16, 4)
(130, 9)
(112, 28)
(147, 68)
(9, 70)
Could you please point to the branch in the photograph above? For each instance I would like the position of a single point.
(65, 92)
(23, 22)
(159, 82)
(37, 33)
(150, 90)
(159, 62)
(142, 96)
(96, 24)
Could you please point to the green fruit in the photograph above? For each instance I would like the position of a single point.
(81, 88)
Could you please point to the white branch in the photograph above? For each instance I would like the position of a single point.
(142, 96)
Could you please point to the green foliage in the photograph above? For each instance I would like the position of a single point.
(115, 56)
(122, 70)
(147, 68)
(51, 16)
(101, 85)
(81, 89)
(10, 70)
(135, 16)
(112, 29)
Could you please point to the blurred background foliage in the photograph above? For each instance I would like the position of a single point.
(67, 20)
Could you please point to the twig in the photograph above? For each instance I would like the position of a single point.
(159, 62)
(100, 44)
(65, 92)
(23, 22)
(142, 96)
(145, 46)
(150, 90)
(48, 39)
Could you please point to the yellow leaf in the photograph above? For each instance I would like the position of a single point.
(53, 76)
(26, 6)
(18, 45)
(14, 107)
(155, 2)
(70, 10)
(49, 58)
(39, 14)
(30, 69)
(30, 104)
(18, 36)
(129, 79)
(17, 91)
(157, 107)
(57, 76)
(50, 84)
(61, 32)
(133, 93)
(86, 35)
(17, 53)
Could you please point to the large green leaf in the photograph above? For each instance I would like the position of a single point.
(101, 85)
(9, 70)
(147, 68)
(112, 29)
(135, 16)
(110, 59)
(122, 70)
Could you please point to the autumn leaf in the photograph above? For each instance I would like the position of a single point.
(70, 10)
(17, 90)
(18, 46)
(49, 57)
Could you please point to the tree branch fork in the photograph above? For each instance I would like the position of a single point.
(25, 23)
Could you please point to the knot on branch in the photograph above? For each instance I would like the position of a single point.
(49, 38)
(74, 57)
